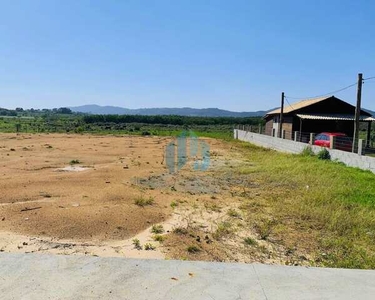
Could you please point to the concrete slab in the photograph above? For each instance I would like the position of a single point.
(33, 276)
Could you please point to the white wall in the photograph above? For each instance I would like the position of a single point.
(288, 146)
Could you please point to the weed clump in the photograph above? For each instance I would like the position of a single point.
(324, 154)
(250, 241)
(193, 249)
(157, 229)
(307, 151)
(223, 229)
(141, 201)
(137, 244)
(149, 246)
(159, 238)
(180, 230)
(264, 229)
(174, 204)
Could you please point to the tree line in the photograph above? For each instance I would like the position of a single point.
(171, 120)
(19, 111)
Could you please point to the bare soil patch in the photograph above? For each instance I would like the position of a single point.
(90, 200)
(101, 195)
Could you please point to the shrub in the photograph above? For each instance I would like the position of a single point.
(324, 154)
(307, 151)
(75, 162)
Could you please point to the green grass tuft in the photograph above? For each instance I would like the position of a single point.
(157, 229)
(142, 201)
(159, 238)
(250, 241)
(149, 246)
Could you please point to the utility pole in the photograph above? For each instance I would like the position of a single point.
(357, 111)
(281, 116)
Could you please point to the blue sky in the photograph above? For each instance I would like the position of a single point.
(235, 55)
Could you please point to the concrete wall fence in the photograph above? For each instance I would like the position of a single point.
(289, 146)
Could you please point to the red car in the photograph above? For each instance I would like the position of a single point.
(343, 142)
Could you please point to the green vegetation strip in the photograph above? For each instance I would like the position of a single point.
(318, 205)
(214, 127)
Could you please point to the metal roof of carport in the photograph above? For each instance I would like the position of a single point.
(295, 107)
(333, 117)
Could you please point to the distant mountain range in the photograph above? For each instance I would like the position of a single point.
(184, 111)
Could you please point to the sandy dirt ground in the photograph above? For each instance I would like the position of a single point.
(77, 194)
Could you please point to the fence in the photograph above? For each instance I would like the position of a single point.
(294, 146)
(343, 143)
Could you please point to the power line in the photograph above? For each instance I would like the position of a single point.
(373, 77)
(288, 102)
(330, 93)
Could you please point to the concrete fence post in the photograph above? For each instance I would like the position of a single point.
(312, 138)
(243, 127)
(283, 134)
(251, 128)
(296, 136)
(332, 142)
(360, 147)
(260, 129)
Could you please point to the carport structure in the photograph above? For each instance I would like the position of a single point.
(335, 122)
(327, 114)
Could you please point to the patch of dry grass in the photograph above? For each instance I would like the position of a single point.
(193, 244)
(224, 229)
